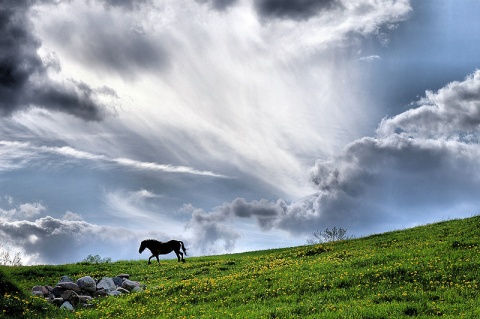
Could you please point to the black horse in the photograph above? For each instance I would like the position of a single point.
(158, 248)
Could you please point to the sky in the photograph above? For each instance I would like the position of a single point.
(233, 125)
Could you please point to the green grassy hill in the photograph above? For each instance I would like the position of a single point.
(424, 272)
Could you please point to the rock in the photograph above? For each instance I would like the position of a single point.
(57, 292)
(71, 296)
(129, 284)
(87, 284)
(57, 301)
(50, 294)
(107, 284)
(68, 295)
(65, 279)
(40, 291)
(68, 286)
(67, 305)
(118, 281)
(123, 290)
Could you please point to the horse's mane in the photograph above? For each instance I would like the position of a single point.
(151, 241)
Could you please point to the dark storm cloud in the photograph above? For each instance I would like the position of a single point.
(419, 162)
(51, 240)
(294, 9)
(211, 228)
(24, 81)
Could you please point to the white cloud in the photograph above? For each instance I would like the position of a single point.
(370, 58)
(20, 154)
(26, 210)
(72, 216)
(421, 166)
(229, 89)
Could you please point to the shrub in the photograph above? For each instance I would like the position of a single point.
(328, 235)
(90, 259)
(9, 259)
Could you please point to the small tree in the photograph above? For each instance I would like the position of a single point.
(96, 260)
(328, 235)
(9, 259)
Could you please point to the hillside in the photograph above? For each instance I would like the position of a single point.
(423, 272)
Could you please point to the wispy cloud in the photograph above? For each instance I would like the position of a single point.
(13, 151)
(369, 58)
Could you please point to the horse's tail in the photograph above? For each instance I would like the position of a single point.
(183, 247)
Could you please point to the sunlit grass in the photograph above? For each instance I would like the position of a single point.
(425, 272)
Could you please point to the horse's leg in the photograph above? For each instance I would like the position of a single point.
(158, 260)
(179, 254)
(150, 258)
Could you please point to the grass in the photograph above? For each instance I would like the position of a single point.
(423, 272)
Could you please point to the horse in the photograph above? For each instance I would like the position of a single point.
(157, 247)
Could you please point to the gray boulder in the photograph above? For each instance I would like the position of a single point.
(57, 301)
(40, 291)
(107, 284)
(129, 284)
(68, 306)
(57, 292)
(87, 284)
(71, 296)
(68, 286)
(118, 281)
(65, 279)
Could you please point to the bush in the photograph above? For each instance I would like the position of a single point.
(9, 259)
(96, 260)
(328, 235)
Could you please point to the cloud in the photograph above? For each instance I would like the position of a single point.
(219, 4)
(369, 58)
(294, 9)
(19, 154)
(211, 234)
(48, 240)
(126, 4)
(451, 113)
(26, 210)
(419, 162)
(103, 39)
(24, 79)
(42, 239)
(61, 241)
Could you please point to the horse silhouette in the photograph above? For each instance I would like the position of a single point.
(158, 248)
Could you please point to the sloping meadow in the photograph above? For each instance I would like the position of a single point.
(424, 272)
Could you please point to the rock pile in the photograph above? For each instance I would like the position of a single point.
(68, 294)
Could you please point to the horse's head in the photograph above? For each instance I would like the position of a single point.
(142, 247)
